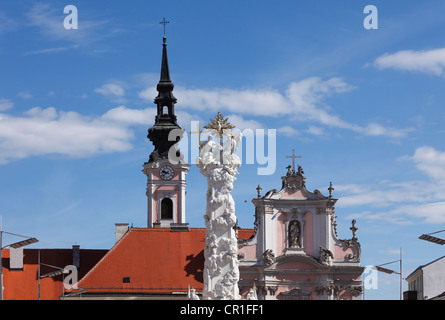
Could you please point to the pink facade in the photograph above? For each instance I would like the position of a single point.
(168, 186)
(295, 253)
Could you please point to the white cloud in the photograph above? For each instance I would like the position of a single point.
(7, 24)
(111, 89)
(25, 95)
(403, 202)
(301, 101)
(129, 116)
(49, 21)
(263, 103)
(50, 50)
(375, 129)
(432, 213)
(149, 94)
(430, 161)
(39, 132)
(430, 62)
(241, 123)
(5, 104)
(46, 131)
(288, 131)
(317, 131)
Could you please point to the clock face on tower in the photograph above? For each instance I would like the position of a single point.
(166, 172)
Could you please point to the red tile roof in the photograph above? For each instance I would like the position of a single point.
(23, 284)
(152, 261)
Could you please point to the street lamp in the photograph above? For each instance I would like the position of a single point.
(58, 271)
(16, 245)
(428, 237)
(389, 271)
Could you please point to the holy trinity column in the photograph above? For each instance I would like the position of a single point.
(219, 163)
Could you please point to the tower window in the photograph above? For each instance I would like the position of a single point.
(166, 209)
(165, 110)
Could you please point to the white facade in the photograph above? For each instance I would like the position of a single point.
(428, 280)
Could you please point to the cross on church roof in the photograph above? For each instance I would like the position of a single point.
(258, 189)
(293, 157)
(331, 188)
(164, 23)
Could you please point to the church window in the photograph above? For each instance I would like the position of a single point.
(166, 209)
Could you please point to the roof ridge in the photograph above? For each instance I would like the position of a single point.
(104, 257)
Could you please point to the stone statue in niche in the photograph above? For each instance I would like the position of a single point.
(294, 234)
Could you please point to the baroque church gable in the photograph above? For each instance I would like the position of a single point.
(296, 243)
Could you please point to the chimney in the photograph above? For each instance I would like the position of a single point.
(76, 256)
(16, 258)
(121, 229)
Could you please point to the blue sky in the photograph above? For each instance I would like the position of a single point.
(364, 109)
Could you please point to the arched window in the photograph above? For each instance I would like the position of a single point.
(166, 209)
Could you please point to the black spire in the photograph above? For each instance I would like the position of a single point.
(165, 73)
(165, 99)
(165, 120)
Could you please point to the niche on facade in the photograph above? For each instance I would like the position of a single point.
(294, 234)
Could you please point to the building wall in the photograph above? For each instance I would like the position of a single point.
(434, 279)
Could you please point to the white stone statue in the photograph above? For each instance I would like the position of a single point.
(192, 294)
(251, 295)
(219, 164)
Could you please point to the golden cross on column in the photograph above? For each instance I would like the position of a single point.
(293, 157)
(218, 125)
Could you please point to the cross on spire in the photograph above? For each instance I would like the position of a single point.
(164, 23)
(293, 157)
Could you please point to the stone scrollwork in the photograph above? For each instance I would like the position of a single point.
(325, 255)
(353, 244)
(332, 289)
(268, 258)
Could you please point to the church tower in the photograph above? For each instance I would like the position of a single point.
(166, 168)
